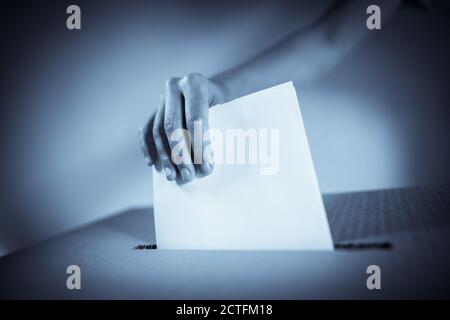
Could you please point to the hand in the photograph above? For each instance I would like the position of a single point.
(184, 105)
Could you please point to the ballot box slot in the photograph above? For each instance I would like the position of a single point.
(146, 247)
(384, 245)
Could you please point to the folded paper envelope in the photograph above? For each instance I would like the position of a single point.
(263, 193)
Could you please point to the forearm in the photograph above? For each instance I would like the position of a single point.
(303, 55)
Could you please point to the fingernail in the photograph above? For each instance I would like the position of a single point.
(208, 167)
(209, 158)
(168, 172)
(185, 173)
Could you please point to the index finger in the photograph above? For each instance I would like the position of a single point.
(197, 123)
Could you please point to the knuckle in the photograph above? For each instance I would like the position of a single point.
(191, 122)
(169, 126)
(194, 77)
(163, 156)
(171, 83)
(193, 82)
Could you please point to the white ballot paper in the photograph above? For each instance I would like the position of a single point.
(268, 201)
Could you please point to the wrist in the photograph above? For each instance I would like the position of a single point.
(219, 91)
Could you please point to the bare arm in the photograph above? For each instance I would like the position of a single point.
(306, 54)
(302, 56)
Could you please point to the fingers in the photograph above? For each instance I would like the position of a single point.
(147, 144)
(165, 141)
(161, 145)
(195, 93)
(179, 142)
(144, 147)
